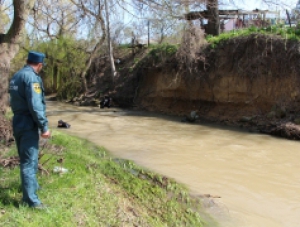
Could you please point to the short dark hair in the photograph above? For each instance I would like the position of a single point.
(33, 63)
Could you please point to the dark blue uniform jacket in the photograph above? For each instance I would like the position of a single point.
(27, 101)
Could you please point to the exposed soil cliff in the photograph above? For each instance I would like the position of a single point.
(248, 81)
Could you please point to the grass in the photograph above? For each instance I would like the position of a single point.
(292, 33)
(97, 190)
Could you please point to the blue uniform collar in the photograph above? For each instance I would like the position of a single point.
(29, 67)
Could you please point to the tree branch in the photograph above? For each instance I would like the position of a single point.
(21, 11)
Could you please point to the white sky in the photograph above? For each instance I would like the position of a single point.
(253, 4)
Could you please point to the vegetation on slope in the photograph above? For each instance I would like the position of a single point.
(289, 33)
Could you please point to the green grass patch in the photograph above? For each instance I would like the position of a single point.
(97, 190)
(290, 33)
(159, 52)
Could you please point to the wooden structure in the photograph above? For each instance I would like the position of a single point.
(228, 14)
(244, 18)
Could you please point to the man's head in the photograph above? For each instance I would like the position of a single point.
(36, 60)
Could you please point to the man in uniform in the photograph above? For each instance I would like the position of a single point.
(27, 102)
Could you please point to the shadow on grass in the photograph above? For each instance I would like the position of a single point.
(8, 194)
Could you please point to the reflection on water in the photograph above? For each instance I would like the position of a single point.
(256, 176)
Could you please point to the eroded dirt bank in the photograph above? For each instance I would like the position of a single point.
(248, 81)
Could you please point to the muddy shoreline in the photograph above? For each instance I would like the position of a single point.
(283, 128)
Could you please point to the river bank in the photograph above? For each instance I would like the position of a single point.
(97, 189)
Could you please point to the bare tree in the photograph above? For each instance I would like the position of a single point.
(110, 48)
(54, 18)
(94, 9)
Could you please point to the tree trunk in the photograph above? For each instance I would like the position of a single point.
(83, 76)
(9, 46)
(110, 48)
(213, 26)
(7, 52)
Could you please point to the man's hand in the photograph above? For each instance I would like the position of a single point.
(46, 135)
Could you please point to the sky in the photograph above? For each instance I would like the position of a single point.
(232, 4)
(258, 4)
(275, 5)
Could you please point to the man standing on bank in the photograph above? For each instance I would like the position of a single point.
(29, 122)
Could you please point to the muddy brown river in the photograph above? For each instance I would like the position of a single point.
(256, 176)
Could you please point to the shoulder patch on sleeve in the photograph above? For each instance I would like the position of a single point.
(37, 88)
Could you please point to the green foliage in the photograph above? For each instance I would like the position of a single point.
(65, 62)
(160, 52)
(292, 33)
(124, 45)
(69, 88)
(19, 61)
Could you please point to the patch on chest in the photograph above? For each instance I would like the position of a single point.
(37, 88)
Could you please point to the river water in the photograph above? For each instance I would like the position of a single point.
(256, 176)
